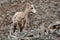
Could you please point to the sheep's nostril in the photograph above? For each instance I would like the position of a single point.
(34, 11)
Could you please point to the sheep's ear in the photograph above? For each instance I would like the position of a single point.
(28, 4)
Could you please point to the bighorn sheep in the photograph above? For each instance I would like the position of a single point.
(19, 17)
(54, 26)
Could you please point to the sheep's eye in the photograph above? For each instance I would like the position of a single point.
(31, 8)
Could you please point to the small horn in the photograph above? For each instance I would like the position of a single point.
(30, 2)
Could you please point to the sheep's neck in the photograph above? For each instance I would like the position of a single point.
(26, 13)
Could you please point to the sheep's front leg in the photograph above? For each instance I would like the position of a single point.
(26, 23)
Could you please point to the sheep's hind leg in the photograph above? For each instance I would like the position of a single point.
(15, 25)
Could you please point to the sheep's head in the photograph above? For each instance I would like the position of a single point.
(54, 27)
(30, 8)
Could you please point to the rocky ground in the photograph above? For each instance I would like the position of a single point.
(48, 12)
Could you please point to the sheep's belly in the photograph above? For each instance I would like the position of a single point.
(17, 19)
